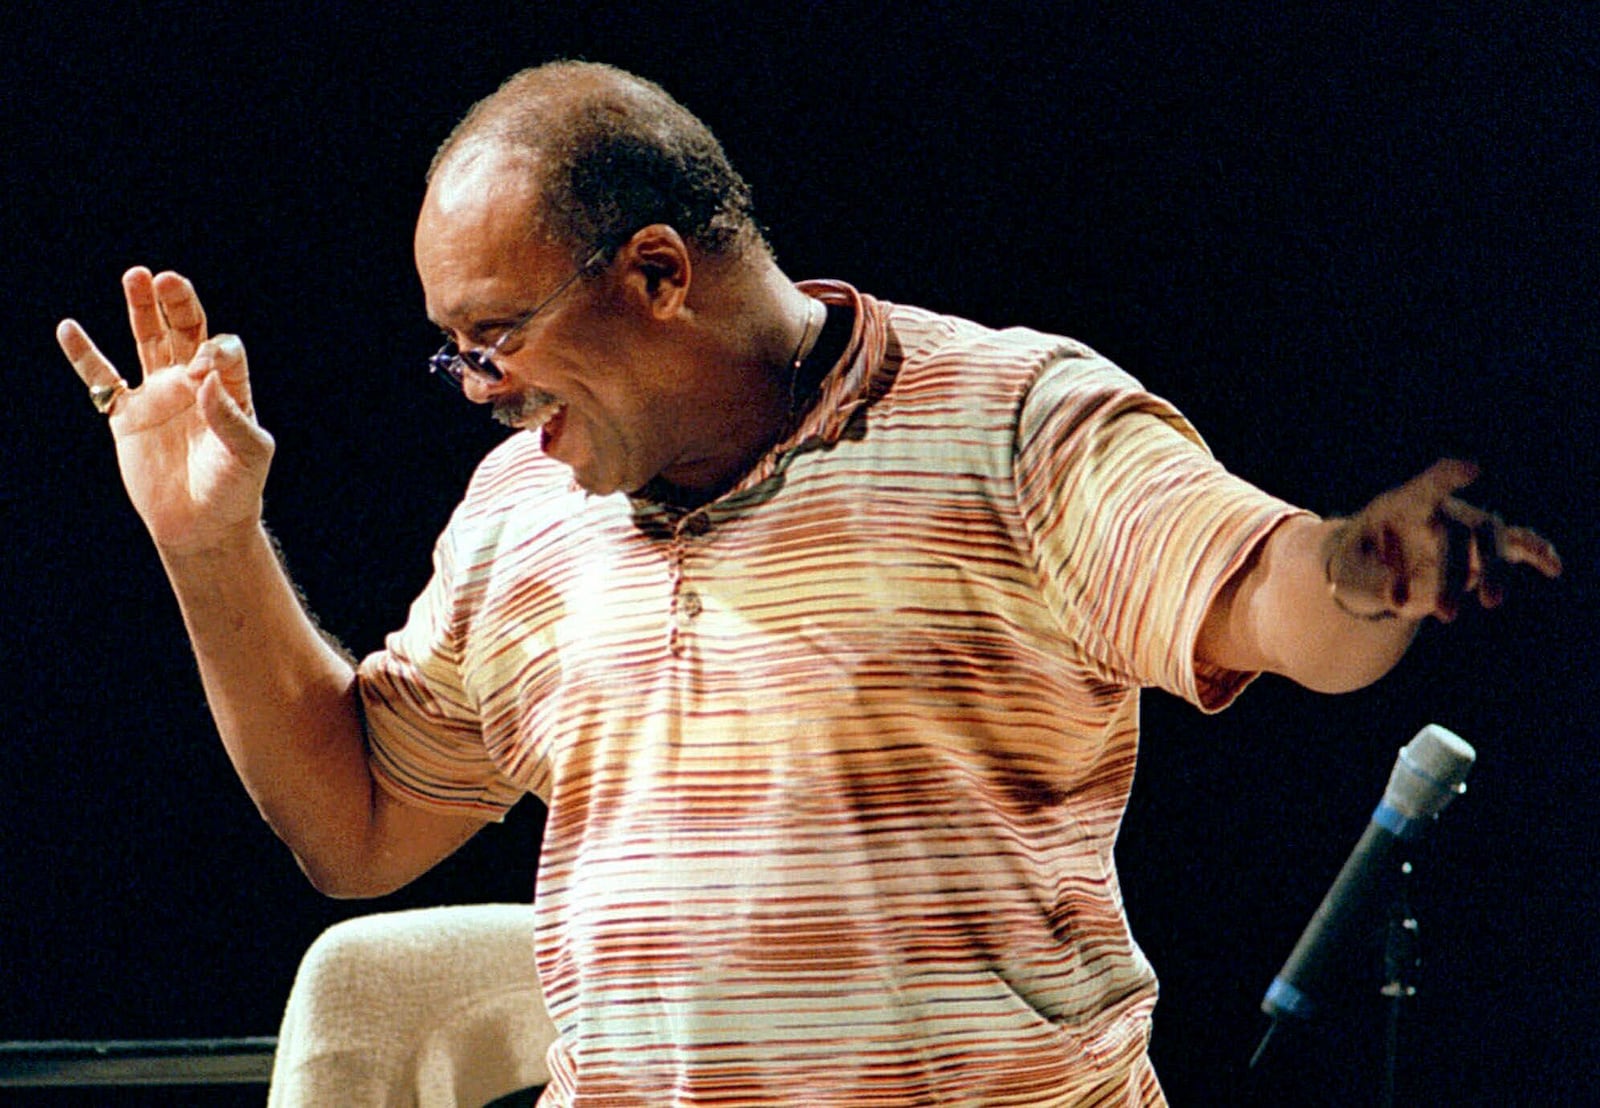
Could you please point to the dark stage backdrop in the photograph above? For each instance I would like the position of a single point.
(1345, 241)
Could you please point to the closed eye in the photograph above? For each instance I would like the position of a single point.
(479, 334)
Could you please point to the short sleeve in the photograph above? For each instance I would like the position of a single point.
(423, 726)
(1135, 527)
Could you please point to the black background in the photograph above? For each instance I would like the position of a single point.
(1345, 240)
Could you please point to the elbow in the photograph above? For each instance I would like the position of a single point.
(338, 863)
(1341, 666)
(374, 849)
(1335, 681)
(345, 882)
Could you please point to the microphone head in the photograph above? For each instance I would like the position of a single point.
(1430, 772)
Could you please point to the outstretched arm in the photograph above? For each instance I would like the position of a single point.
(194, 461)
(1333, 604)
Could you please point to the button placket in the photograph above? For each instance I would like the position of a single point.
(686, 601)
(675, 572)
(689, 604)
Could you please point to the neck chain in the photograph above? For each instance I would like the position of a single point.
(683, 500)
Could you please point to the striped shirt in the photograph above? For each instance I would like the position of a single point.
(835, 764)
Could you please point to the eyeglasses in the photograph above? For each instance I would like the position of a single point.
(451, 363)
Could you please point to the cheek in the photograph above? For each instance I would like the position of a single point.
(624, 427)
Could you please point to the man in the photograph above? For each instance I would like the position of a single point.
(818, 623)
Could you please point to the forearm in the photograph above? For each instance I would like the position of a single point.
(1278, 615)
(283, 698)
(194, 461)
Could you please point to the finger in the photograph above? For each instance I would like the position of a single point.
(237, 431)
(1490, 593)
(106, 386)
(92, 367)
(224, 356)
(184, 318)
(144, 318)
(1452, 507)
(1442, 478)
(1496, 541)
(1520, 546)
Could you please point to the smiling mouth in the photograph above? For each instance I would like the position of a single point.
(528, 412)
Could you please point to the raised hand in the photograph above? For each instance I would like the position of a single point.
(1419, 551)
(193, 458)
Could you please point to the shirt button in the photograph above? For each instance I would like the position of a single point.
(697, 524)
(690, 604)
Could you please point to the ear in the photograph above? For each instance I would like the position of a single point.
(656, 269)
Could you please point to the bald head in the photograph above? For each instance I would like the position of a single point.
(606, 153)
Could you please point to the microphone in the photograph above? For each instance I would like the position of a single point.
(1430, 772)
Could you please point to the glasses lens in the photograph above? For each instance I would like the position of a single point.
(450, 364)
(446, 365)
(480, 364)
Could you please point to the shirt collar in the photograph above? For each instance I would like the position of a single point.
(860, 376)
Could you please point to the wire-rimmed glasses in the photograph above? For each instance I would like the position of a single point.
(451, 363)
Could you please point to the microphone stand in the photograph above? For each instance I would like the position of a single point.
(1430, 771)
(1401, 959)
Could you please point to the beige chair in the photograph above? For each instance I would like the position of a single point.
(431, 1008)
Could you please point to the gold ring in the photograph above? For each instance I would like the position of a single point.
(103, 396)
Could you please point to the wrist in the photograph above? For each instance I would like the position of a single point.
(1335, 548)
(226, 544)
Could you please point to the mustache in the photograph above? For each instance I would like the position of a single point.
(526, 411)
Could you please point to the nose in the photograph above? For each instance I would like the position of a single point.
(480, 388)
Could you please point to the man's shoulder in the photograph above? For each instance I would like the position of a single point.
(946, 351)
(924, 334)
